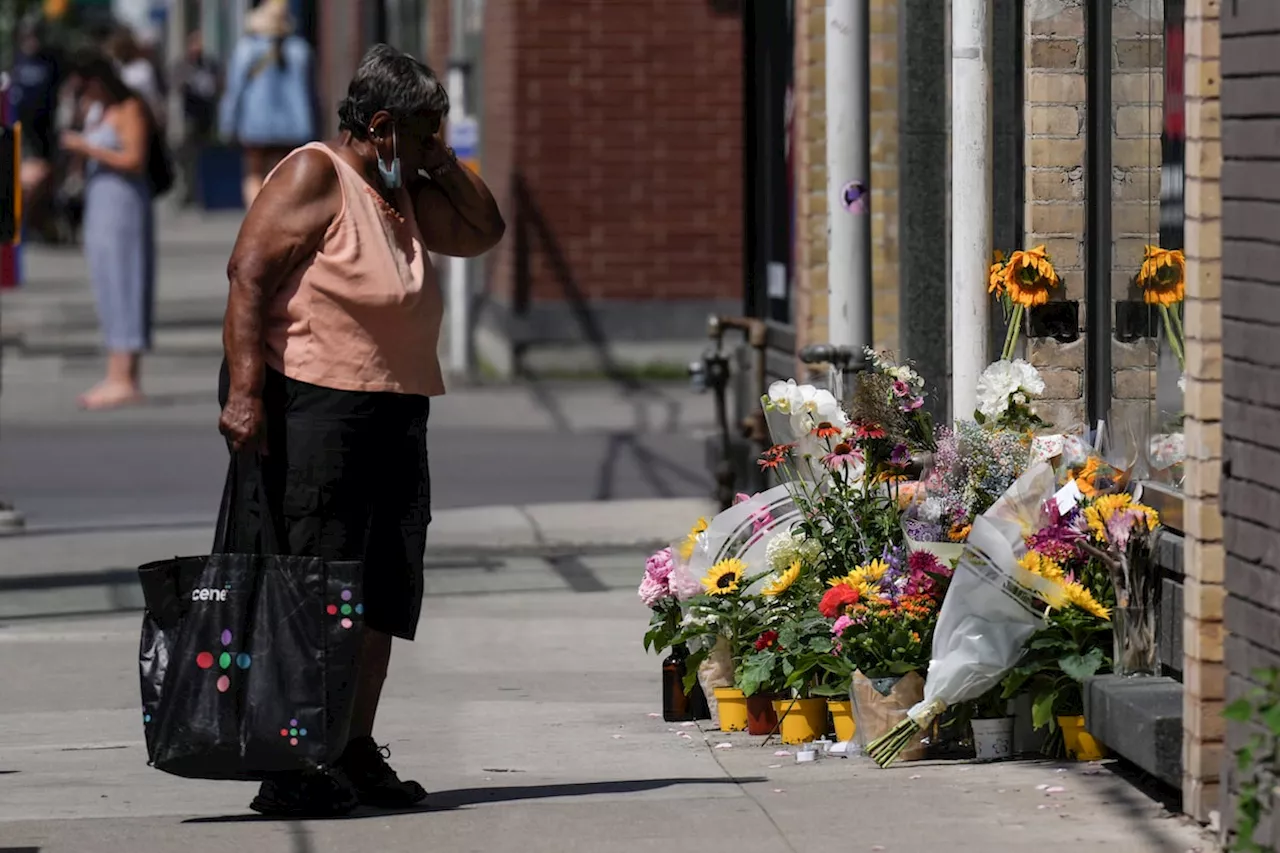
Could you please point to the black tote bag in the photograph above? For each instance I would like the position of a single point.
(247, 661)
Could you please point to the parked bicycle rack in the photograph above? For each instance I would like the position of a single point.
(766, 354)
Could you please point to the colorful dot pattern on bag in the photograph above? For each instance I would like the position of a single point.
(225, 660)
(293, 732)
(346, 610)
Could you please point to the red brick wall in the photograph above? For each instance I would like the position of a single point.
(623, 122)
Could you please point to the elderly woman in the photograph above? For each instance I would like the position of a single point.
(331, 334)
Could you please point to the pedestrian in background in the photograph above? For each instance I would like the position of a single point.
(137, 70)
(119, 229)
(332, 330)
(269, 104)
(34, 96)
(199, 79)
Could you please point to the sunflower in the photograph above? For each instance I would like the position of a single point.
(959, 532)
(1042, 566)
(779, 584)
(1087, 479)
(1081, 597)
(1163, 277)
(687, 546)
(869, 574)
(995, 280)
(724, 577)
(1029, 276)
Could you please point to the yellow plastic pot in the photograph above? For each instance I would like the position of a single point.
(733, 709)
(842, 716)
(1080, 745)
(801, 720)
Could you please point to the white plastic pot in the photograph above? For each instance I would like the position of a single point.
(993, 739)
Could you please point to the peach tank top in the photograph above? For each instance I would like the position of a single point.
(363, 313)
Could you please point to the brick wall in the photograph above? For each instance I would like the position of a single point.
(1250, 403)
(1203, 671)
(810, 164)
(1054, 162)
(1055, 181)
(625, 123)
(811, 172)
(1137, 114)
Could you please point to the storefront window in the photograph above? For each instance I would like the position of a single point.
(1147, 265)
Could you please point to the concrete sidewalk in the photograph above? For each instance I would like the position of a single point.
(61, 571)
(529, 713)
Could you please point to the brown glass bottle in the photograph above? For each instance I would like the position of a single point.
(677, 705)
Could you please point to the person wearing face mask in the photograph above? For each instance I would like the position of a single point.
(331, 334)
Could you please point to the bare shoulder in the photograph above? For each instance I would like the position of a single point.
(306, 176)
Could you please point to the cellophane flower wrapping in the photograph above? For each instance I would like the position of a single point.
(744, 531)
(989, 612)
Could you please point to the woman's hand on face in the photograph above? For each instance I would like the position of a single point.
(243, 422)
(437, 152)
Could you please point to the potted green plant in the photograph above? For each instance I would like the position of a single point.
(992, 726)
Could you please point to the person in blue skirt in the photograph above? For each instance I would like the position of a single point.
(119, 226)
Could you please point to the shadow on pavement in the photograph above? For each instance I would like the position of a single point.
(463, 797)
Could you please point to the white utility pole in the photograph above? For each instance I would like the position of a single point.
(459, 292)
(848, 174)
(175, 44)
(970, 199)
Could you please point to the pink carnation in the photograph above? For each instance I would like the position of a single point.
(652, 591)
(659, 566)
(655, 587)
(683, 584)
(840, 625)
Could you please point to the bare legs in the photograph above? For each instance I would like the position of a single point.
(258, 163)
(375, 656)
(121, 386)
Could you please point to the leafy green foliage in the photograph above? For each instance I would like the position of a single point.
(1073, 646)
(1257, 760)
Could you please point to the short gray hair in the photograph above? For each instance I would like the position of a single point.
(392, 81)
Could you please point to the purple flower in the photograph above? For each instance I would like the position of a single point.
(900, 456)
(913, 404)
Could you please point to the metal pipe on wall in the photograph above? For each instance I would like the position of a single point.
(848, 174)
(1097, 246)
(970, 199)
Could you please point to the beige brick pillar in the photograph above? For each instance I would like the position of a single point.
(1203, 670)
(1054, 161)
(884, 173)
(810, 303)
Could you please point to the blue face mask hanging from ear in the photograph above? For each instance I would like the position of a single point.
(391, 175)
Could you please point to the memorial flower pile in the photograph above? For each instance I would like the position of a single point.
(823, 586)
